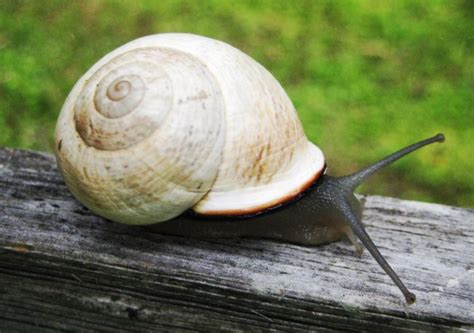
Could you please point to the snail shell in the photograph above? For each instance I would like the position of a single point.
(171, 122)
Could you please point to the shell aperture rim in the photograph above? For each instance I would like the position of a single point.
(266, 211)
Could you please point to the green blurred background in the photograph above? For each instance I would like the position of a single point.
(367, 77)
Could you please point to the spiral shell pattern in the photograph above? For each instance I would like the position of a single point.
(171, 122)
(140, 138)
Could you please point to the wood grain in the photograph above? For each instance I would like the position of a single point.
(63, 268)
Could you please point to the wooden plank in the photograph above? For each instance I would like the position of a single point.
(63, 268)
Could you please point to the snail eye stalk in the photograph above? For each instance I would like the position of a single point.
(354, 180)
(359, 230)
(345, 207)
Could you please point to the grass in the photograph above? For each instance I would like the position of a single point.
(367, 77)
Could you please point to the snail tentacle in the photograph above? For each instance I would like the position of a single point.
(356, 226)
(354, 180)
(344, 203)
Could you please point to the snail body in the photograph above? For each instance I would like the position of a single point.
(193, 136)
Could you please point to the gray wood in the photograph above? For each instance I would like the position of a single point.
(63, 268)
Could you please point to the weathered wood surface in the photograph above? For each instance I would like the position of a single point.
(63, 268)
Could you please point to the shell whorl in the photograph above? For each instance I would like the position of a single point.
(177, 121)
(140, 137)
(124, 102)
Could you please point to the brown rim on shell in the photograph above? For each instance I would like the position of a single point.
(276, 204)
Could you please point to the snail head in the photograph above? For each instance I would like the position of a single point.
(335, 197)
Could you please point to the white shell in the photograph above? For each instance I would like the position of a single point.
(174, 121)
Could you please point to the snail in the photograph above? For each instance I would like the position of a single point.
(192, 135)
